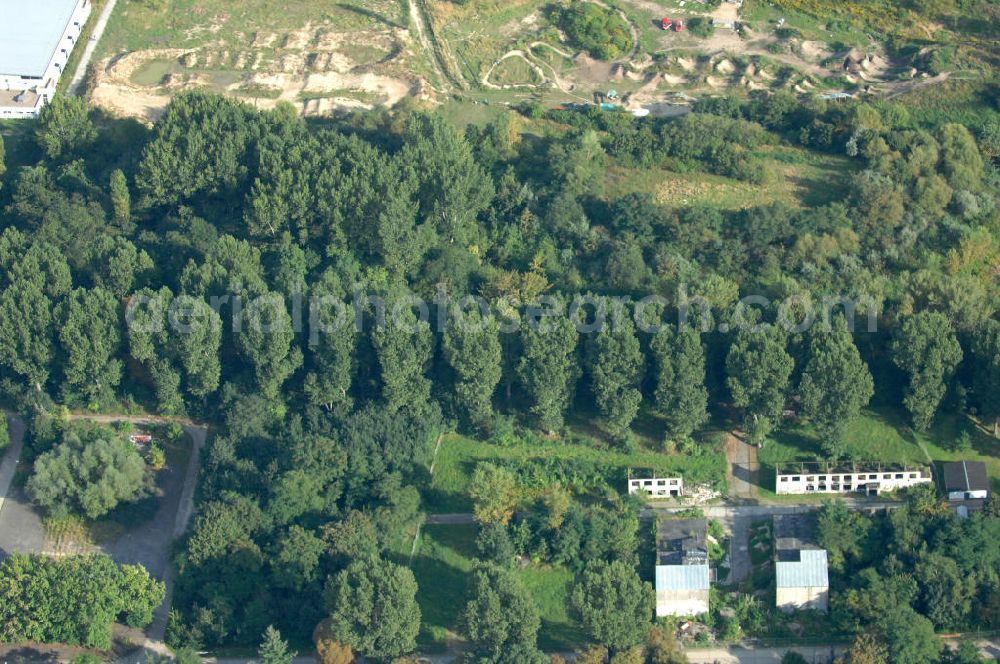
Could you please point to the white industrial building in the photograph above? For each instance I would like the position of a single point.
(658, 487)
(803, 583)
(812, 478)
(682, 571)
(36, 38)
(801, 573)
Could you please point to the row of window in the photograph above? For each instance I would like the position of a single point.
(849, 478)
(657, 482)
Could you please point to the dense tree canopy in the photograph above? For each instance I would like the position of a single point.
(89, 472)
(73, 600)
(200, 267)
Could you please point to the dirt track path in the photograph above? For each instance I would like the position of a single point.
(741, 468)
(420, 18)
(88, 51)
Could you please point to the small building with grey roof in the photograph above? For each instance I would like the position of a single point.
(965, 480)
(682, 570)
(801, 566)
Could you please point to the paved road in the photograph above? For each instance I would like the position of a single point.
(8, 465)
(88, 51)
(737, 655)
(20, 525)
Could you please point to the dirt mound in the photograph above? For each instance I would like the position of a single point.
(724, 67)
(687, 64)
(813, 50)
(298, 39)
(263, 39)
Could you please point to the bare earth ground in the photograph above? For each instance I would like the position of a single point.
(741, 467)
(320, 67)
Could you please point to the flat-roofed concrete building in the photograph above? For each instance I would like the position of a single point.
(827, 478)
(36, 38)
(682, 571)
(657, 486)
(802, 575)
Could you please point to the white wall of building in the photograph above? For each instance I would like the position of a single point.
(967, 495)
(792, 599)
(681, 602)
(657, 486)
(800, 483)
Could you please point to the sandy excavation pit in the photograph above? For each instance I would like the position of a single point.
(317, 69)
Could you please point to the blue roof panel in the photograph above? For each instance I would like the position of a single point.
(30, 31)
(809, 572)
(682, 577)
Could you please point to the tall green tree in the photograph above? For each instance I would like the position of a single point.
(404, 346)
(681, 395)
(471, 347)
(836, 383)
(178, 341)
(500, 615)
(548, 368)
(986, 371)
(273, 649)
(616, 366)
(614, 604)
(333, 341)
(758, 369)
(493, 490)
(90, 338)
(841, 532)
(925, 347)
(373, 608)
(26, 333)
(909, 636)
(266, 341)
(453, 189)
(64, 127)
(121, 199)
(88, 476)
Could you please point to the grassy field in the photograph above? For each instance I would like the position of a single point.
(459, 455)
(186, 23)
(445, 558)
(797, 177)
(966, 101)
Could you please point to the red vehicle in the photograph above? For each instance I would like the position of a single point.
(671, 24)
(678, 25)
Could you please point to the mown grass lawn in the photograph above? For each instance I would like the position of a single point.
(445, 558)
(551, 588)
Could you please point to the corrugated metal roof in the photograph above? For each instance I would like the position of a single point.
(30, 32)
(809, 572)
(682, 577)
